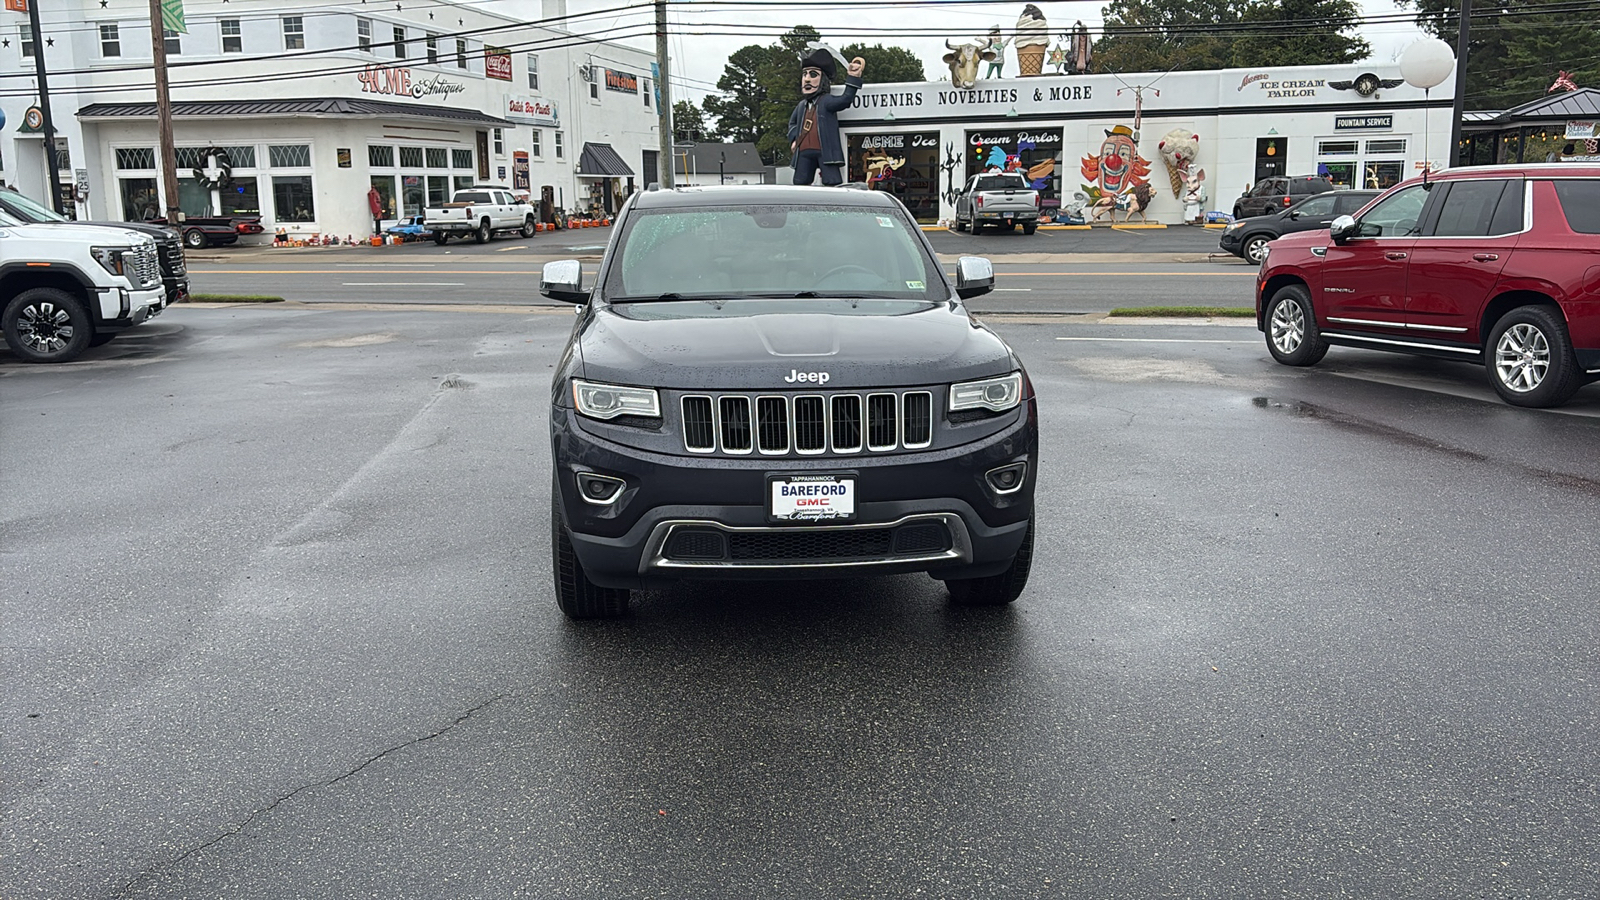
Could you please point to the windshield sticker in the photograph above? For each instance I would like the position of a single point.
(915, 285)
(885, 222)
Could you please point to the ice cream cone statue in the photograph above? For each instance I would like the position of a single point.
(1032, 38)
(1178, 149)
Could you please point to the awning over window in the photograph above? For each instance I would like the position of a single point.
(600, 161)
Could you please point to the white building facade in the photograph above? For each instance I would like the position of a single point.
(1360, 124)
(295, 113)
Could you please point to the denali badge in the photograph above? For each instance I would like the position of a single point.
(795, 375)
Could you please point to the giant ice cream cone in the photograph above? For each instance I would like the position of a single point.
(1033, 37)
(1176, 178)
(1030, 60)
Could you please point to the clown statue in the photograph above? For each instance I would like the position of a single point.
(814, 124)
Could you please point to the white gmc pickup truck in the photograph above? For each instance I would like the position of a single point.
(64, 288)
(481, 212)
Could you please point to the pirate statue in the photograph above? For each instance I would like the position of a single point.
(814, 124)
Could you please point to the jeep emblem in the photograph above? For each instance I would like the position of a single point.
(796, 376)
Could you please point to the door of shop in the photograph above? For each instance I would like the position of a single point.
(1272, 153)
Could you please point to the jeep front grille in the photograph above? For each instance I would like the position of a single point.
(808, 425)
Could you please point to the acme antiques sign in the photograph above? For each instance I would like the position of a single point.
(397, 80)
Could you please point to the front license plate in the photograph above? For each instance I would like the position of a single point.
(811, 498)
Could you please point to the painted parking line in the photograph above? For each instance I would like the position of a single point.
(404, 284)
(1015, 290)
(1154, 340)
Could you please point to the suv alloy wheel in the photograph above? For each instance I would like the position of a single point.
(1530, 360)
(1255, 248)
(1292, 333)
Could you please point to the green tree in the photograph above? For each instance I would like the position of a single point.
(738, 109)
(1515, 51)
(1314, 32)
(885, 64)
(689, 123)
(1160, 35)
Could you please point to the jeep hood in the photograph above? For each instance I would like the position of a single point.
(686, 349)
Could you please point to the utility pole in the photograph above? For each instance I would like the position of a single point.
(664, 108)
(168, 162)
(50, 160)
(1457, 110)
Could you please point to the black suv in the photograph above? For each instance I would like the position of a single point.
(1278, 193)
(174, 267)
(779, 382)
(1248, 238)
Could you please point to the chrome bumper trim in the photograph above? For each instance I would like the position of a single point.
(653, 558)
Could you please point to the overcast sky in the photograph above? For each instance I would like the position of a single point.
(698, 59)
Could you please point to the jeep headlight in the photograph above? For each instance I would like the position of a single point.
(997, 394)
(608, 401)
(111, 258)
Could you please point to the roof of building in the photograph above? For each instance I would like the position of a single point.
(602, 160)
(311, 106)
(1583, 103)
(706, 157)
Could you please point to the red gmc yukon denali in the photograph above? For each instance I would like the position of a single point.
(1497, 264)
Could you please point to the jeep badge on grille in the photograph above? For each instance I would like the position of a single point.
(796, 376)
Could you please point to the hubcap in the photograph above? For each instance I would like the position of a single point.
(1288, 326)
(1522, 358)
(44, 328)
(1255, 250)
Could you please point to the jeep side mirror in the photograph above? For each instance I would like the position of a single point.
(974, 277)
(563, 280)
(1342, 229)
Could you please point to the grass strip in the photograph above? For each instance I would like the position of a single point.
(1187, 312)
(234, 298)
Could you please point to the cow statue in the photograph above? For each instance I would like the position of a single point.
(963, 60)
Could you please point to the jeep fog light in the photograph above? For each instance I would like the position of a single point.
(997, 394)
(600, 489)
(1007, 479)
(608, 401)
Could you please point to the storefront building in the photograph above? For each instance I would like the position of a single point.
(1080, 137)
(1558, 127)
(296, 114)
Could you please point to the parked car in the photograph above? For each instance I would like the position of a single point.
(1247, 238)
(411, 228)
(1001, 199)
(1494, 265)
(481, 211)
(1278, 193)
(780, 382)
(174, 268)
(65, 288)
(200, 232)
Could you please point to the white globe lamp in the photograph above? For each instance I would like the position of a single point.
(1426, 64)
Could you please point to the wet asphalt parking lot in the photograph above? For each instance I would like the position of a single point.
(277, 623)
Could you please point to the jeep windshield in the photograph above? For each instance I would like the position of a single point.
(794, 253)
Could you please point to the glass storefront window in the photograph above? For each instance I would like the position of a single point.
(1342, 174)
(1036, 154)
(438, 190)
(241, 198)
(1337, 148)
(906, 165)
(139, 200)
(193, 198)
(385, 186)
(463, 182)
(1384, 174)
(292, 198)
(413, 194)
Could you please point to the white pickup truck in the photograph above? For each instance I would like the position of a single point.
(481, 211)
(64, 288)
(1002, 199)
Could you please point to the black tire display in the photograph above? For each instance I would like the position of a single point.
(1255, 248)
(960, 225)
(1029, 229)
(483, 233)
(997, 590)
(441, 237)
(1292, 334)
(1529, 358)
(195, 239)
(527, 227)
(575, 594)
(45, 324)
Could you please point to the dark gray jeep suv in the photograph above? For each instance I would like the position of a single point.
(780, 382)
